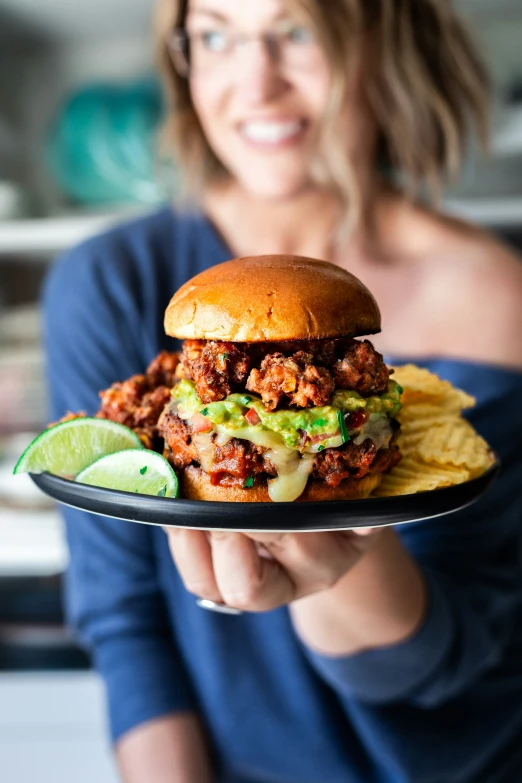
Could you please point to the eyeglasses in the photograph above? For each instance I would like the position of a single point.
(290, 45)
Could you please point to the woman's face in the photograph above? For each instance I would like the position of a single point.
(260, 98)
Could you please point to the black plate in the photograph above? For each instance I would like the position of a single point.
(269, 517)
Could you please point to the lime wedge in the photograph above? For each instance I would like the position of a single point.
(69, 447)
(133, 470)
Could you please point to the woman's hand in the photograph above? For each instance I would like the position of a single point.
(257, 572)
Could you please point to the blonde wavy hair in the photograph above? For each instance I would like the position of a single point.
(423, 79)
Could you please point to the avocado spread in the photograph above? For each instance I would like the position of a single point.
(321, 424)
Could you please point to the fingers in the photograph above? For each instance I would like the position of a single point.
(192, 555)
(259, 572)
(314, 560)
(366, 531)
(229, 568)
(247, 578)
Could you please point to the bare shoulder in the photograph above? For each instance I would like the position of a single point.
(475, 282)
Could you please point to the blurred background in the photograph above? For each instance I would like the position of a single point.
(80, 109)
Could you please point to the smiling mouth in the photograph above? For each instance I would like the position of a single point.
(262, 133)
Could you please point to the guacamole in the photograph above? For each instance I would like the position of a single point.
(322, 424)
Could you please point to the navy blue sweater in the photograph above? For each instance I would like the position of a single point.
(442, 707)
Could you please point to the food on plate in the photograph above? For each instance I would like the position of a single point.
(71, 445)
(276, 395)
(439, 447)
(133, 470)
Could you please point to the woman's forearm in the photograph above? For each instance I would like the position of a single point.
(167, 750)
(379, 602)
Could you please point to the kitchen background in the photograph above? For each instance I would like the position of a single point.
(79, 112)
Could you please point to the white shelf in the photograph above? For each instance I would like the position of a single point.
(53, 728)
(46, 236)
(33, 543)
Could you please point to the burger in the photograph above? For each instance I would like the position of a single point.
(275, 396)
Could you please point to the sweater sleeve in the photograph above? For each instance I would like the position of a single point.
(114, 601)
(471, 563)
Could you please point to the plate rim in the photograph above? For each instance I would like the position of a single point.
(326, 509)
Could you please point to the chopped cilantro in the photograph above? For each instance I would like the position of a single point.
(162, 492)
(248, 482)
(321, 448)
(320, 423)
(143, 470)
(224, 356)
(399, 388)
(204, 412)
(342, 425)
(245, 399)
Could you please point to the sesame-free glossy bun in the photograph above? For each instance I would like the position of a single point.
(196, 485)
(271, 298)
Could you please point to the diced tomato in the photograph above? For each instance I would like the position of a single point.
(356, 419)
(324, 436)
(252, 417)
(200, 423)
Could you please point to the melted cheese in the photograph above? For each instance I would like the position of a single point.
(292, 474)
(203, 441)
(378, 429)
(293, 469)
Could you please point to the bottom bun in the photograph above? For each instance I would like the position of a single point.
(196, 485)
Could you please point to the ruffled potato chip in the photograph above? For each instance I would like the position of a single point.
(456, 443)
(439, 447)
(412, 475)
(422, 386)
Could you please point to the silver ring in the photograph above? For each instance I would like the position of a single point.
(212, 606)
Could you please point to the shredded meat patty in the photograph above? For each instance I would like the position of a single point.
(279, 373)
(295, 377)
(302, 373)
(179, 448)
(163, 370)
(215, 367)
(139, 401)
(239, 458)
(362, 369)
(353, 461)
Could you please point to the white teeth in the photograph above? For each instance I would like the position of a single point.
(270, 132)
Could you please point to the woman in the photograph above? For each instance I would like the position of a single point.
(401, 660)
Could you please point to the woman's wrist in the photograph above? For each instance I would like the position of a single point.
(170, 749)
(380, 602)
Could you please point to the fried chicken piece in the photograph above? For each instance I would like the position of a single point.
(119, 401)
(216, 369)
(191, 351)
(361, 369)
(294, 377)
(179, 450)
(151, 406)
(162, 371)
(137, 404)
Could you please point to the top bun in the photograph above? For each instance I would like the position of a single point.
(271, 298)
